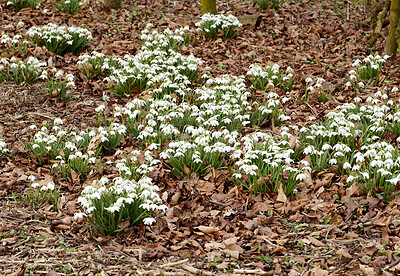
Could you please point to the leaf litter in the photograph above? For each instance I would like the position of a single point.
(211, 226)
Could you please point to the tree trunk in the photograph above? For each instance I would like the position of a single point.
(391, 41)
(208, 6)
(113, 4)
(378, 24)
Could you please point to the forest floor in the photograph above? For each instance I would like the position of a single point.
(212, 226)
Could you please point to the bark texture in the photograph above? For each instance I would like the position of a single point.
(391, 41)
(113, 4)
(208, 6)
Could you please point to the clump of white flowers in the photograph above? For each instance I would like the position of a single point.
(69, 6)
(65, 150)
(269, 111)
(110, 137)
(157, 66)
(376, 169)
(20, 71)
(166, 40)
(270, 76)
(41, 192)
(16, 44)
(3, 149)
(210, 24)
(264, 164)
(223, 103)
(166, 72)
(208, 149)
(97, 64)
(60, 39)
(47, 143)
(59, 85)
(138, 164)
(366, 70)
(106, 204)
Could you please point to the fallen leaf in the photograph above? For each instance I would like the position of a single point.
(207, 229)
(281, 194)
(315, 242)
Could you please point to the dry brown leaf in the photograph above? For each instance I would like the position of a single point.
(207, 229)
(94, 142)
(317, 271)
(175, 198)
(315, 242)
(366, 270)
(344, 252)
(205, 187)
(281, 194)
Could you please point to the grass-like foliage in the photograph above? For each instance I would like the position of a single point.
(366, 71)
(3, 149)
(58, 85)
(264, 164)
(20, 71)
(69, 6)
(60, 39)
(212, 24)
(270, 76)
(21, 4)
(108, 205)
(273, 4)
(16, 44)
(40, 193)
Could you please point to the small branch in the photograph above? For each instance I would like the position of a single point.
(196, 271)
(174, 263)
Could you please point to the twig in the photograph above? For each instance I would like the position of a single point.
(23, 242)
(392, 264)
(174, 263)
(194, 270)
(223, 205)
(32, 220)
(249, 271)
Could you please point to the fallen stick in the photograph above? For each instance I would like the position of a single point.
(249, 271)
(175, 263)
(194, 270)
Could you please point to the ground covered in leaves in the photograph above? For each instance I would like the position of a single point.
(212, 226)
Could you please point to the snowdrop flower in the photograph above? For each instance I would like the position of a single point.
(351, 178)
(35, 185)
(78, 216)
(149, 221)
(58, 121)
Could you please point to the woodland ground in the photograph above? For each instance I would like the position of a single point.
(314, 234)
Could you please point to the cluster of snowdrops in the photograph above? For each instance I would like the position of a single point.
(192, 121)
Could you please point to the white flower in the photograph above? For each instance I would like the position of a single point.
(346, 165)
(149, 221)
(50, 186)
(351, 178)
(58, 121)
(100, 108)
(79, 216)
(35, 185)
